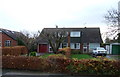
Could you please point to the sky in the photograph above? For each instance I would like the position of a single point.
(34, 15)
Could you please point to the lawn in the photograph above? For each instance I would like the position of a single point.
(81, 56)
(46, 55)
(77, 56)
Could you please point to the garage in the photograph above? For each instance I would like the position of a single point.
(116, 49)
(43, 48)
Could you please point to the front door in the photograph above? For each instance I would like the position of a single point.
(85, 48)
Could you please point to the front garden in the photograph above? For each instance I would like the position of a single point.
(79, 64)
(73, 56)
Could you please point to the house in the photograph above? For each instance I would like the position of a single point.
(82, 39)
(8, 38)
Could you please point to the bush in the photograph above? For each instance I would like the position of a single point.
(33, 54)
(75, 52)
(25, 62)
(94, 66)
(62, 52)
(66, 50)
(16, 50)
(60, 63)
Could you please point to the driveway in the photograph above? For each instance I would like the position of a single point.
(116, 57)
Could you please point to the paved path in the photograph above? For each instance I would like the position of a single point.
(23, 73)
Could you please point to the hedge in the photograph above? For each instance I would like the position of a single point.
(24, 62)
(62, 64)
(99, 67)
(16, 50)
(66, 51)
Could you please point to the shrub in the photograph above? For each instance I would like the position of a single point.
(94, 66)
(67, 51)
(75, 52)
(33, 53)
(25, 62)
(16, 50)
(62, 52)
(59, 63)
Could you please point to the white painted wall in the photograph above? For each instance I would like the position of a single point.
(108, 49)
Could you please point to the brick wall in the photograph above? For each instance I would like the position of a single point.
(6, 37)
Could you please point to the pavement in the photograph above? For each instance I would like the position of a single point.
(25, 73)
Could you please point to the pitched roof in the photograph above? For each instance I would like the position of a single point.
(88, 35)
(12, 34)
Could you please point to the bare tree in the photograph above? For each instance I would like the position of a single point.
(54, 37)
(113, 20)
(29, 40)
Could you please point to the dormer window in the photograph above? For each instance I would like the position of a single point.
(75, 34)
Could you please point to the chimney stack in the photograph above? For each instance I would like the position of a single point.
(56, 26)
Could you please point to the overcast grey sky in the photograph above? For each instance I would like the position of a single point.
(33, 15)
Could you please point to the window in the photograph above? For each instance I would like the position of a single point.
(7, 43)
(75, 34)
(75, 45)
(63, 45)
(72, 46)
(93, 45)
(60, 46)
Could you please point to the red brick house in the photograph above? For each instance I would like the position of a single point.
(7, 38)
(82, 39)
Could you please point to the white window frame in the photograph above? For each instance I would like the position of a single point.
(75, 45)
(8, 43)
(60, 46)
(75, 34)
(63, 45)
(78, 47)
(72, 45)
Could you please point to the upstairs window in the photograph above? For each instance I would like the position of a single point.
(75, 34)
(7, 43)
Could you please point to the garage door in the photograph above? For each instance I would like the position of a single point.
(116, 49)
(43, 48)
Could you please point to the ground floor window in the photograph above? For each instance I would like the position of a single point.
(75, 45)
(8, 43)
(93, 45)
(63, 45)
